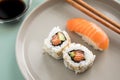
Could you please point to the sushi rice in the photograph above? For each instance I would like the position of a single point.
(89, 41)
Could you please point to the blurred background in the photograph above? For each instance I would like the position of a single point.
(8, 32)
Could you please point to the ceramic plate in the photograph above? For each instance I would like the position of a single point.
(35, 65)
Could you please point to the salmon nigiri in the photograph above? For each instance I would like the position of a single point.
(90, 32)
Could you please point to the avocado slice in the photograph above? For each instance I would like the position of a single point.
(72, 54)
(61, 36)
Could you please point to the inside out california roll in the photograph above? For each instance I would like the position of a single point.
(56, 41)
(77, 57)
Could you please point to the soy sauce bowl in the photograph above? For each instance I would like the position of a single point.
(13, 10)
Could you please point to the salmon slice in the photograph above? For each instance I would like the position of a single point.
(89, 30)
(82, 27)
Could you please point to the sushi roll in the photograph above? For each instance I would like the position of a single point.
(77, 57)
(90, 32)
(56, 41)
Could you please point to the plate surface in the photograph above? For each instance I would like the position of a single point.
(35, 65)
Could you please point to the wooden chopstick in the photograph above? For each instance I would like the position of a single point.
(75, 4)
(98, 13)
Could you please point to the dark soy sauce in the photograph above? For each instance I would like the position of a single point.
(10, 9)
